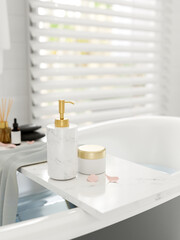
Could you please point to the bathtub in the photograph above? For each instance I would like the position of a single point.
(153, 142)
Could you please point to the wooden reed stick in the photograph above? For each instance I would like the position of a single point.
(0, 115)
(3, 108)
(10, 102)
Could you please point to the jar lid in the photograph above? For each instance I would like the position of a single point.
(91, 152)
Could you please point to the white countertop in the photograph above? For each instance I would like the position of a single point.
(139, 188)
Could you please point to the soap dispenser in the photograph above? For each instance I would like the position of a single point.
(62, 147)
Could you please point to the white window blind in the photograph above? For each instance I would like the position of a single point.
(106, 55)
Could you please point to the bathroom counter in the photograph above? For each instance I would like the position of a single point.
(139, 188)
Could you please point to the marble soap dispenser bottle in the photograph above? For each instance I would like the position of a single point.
(62, 147)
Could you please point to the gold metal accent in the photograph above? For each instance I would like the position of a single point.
(2, 135)
(2, 124)
(7, 135)
(91, 152)
(62, 122)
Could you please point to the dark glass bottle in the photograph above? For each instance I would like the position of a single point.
(15, 134)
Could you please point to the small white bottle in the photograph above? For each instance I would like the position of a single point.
(62, 147)
(15, 134)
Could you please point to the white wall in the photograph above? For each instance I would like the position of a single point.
(14, 80)
(174, 81)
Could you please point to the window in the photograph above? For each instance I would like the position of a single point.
(106, 55)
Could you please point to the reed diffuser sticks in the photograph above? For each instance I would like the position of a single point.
(5, 131)
(4, 111)
(10, 102)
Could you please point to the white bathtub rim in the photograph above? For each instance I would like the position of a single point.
(51, 227)
(129, 119)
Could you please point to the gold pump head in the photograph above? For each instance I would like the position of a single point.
(62, 122)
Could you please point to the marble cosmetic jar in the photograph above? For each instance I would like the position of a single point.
(92, 159)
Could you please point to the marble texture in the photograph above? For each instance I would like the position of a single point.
(62, 152)
(138, 188)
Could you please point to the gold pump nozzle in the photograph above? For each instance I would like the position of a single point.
(62, 122)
